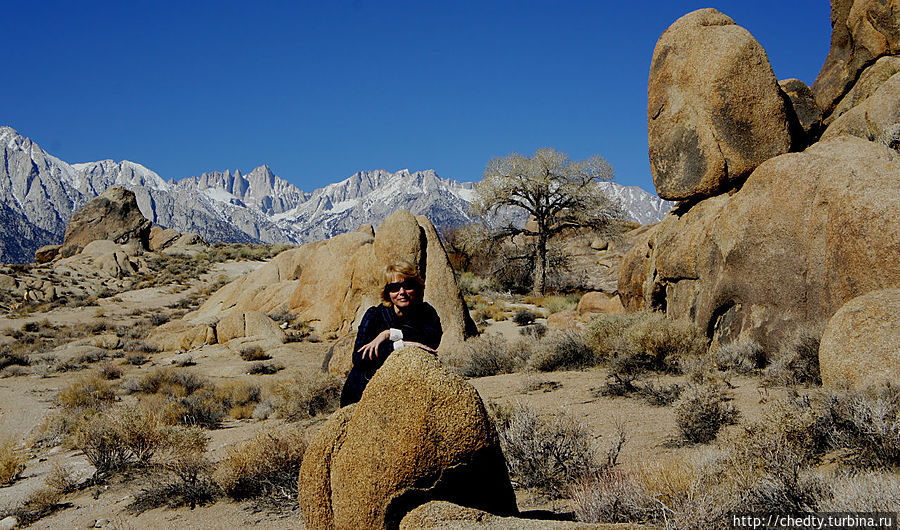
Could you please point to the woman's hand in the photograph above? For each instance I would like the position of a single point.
(370, 350)
(419, 345)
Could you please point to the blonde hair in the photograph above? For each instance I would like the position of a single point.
(402, 269)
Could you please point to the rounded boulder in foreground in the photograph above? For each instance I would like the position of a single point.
(861, 343)
(419, 433)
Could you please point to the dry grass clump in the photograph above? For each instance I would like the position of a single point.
(558, 304)
(702, 411)
(302, 397)
(12, 462)
(548, 454)
(90, 391)
(188, 397)
(266, 464)
(634, 343)
(614, 496)
(13, 358)
(489, 310)
(46, 499)
(239, 397)
(562, 350)
(798, 363)
(535, 331)
(490, 354)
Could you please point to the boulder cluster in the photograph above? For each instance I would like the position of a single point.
(789, 195)
(329, 285)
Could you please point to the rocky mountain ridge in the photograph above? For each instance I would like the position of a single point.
(39, 194)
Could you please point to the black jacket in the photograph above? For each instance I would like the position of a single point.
(420, 324)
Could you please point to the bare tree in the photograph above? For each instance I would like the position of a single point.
(557, 192)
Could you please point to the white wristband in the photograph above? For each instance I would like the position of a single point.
(396, 334)
(398, 344)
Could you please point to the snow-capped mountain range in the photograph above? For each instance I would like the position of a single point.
(39, 193)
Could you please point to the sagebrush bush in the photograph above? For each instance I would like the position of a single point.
(490, 354)
(97, 436)
(535, 331)
(613, 496)
(12, 462)
(557, 304)
(549, 454)
(266, 464)
(88, 391)
(264, 368)
(562, 350)
(524, 317)
(702, 411)
(254, 353)
(743, 356)
(13, 358)
(306, 396)
(798, 363)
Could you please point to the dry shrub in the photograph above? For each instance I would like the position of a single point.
(870, 491)
(558, 304)
(702, 411)
(254, 353)
(524, 317)
(495, 311)
(190, 399)
(562, 350)
(97, 436)
(743, 356)
(239, 397)
(90, 391)
(613, 496)
(535, 331)
(188, 472)
(263, 368)
(108, 370)
(12, 462)
(490, 355)
(798, 363)
(548, 454)
(306, 396)
(13, 358)
(266, 464)
(636, 342)
(136, 359)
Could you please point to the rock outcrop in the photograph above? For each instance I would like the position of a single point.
(807, 116)
(330, 284)
(714, 110)
(873, 117)
(869, 81)
(419, 433)
(861, 343)
(114, 215)
(804, 235)
(862, 31)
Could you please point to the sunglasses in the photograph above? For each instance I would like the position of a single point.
(409, 284)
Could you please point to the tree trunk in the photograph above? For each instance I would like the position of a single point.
(540, 269)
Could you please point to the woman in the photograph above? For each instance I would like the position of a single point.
(402, 319)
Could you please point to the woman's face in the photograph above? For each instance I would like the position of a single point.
(404, 291)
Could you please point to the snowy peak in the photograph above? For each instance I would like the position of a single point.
(100, 175)
(260, 188)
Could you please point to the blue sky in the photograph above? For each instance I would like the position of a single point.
(320, 90)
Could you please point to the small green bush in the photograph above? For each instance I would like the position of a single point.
(524, 317)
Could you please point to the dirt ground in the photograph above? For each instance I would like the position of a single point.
(26, 400)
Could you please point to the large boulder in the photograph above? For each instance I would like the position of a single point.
(419, 433)
(714, 108)
(874, 117)
(236, 324)
(861, 343)
(46, 253)
(598, 302)
(161, 238)
(806, 233)
(331, 283)
(114, 215)
(862, 31)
